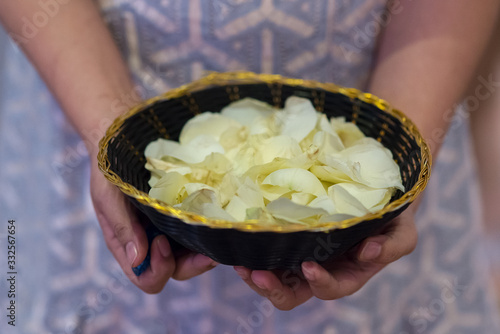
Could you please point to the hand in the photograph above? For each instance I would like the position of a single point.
(341, 277)
(126, 239)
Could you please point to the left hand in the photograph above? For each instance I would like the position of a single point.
(126, 239)
(343, 276)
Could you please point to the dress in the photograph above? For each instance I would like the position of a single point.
(68, 281)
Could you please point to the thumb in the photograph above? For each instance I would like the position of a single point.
(399, 239)
(122, 230)
(126, 238)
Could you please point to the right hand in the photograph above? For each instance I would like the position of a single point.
(126, 238)
(341, 277)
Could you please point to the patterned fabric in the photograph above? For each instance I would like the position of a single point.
(69, 282)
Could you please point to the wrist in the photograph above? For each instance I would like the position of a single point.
(104, 110)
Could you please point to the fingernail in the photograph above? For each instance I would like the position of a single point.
(371, 251)
(308, 271)
(164, 246)
(259, 284)
(131, 252)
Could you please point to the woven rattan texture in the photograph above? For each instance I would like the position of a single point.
(122, 161)
(166, 119)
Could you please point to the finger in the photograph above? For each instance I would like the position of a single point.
(121, 229)
(285, 291)
(245, 275)
(399, 240)
(343, 281)
(192, 264)
(123, 233)
(161, 268)
(348, 275)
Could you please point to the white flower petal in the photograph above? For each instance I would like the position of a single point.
(155, 177)
(323, 124)
(250, 193)
(296, 179)
(157, 165)
(298, 118)
(259, 172)
(272, 193)
(327, 143)
(204, 202)
(368, 163)
(194, 202)
(195, 152)
(247, 196)
(345, 203)
(228, 187)
(194, 187)
(368, 197)
(304, 160)
(168, 187)
(231, 164)
(277, 147)
(233, 138)
(237, 208)
(244, 159)
(214, 211)
(283, 208)
(208, 124)
(348, 132)
(198, 149)
(308, 140)
(156, 173)
(159, 148)
(329, 174)
(302, 198)
(248, 112)
(262, 215)
(214, 163)
(323, 202)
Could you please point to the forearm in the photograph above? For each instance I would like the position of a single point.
(77, 58)
(428, 54)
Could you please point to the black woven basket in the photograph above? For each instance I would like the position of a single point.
(121, 159)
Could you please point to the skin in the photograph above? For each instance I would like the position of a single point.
(417, 57)
(411, 64)
(485, 128)
(75, 43)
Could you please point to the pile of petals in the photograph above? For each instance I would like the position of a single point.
(253, 161)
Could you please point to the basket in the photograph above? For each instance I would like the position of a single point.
(121, 159)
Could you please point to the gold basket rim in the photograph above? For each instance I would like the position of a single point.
(231, 78)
